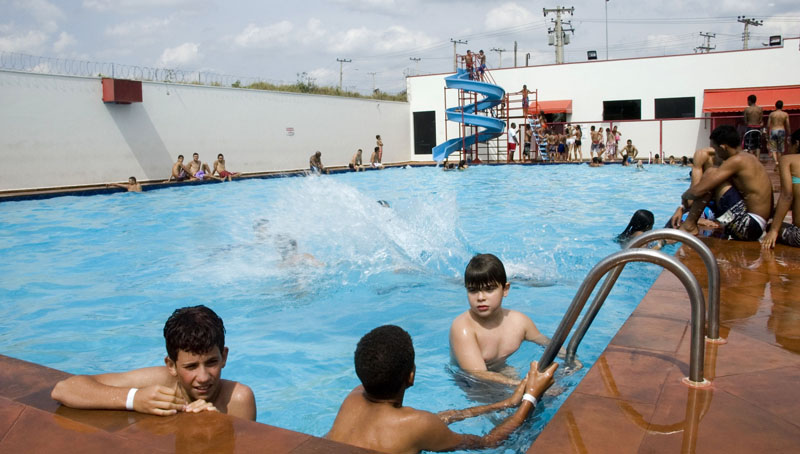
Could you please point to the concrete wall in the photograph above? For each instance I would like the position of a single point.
(56, 131)
(588, 84)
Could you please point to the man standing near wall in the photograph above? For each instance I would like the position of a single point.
(754, 119)
(778, 125)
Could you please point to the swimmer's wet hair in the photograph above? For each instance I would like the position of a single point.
(384, 359)
(195, 329)
(726, 135)
(484, 271)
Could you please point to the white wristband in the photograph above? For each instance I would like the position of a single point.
(530, 399)
(129, 400)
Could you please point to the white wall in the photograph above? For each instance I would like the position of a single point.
(588, 84)
(56, 131)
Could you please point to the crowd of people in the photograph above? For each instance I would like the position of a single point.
(372, 415)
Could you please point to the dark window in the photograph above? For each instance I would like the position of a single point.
(629, 109)
(424, 132)
(675, 107)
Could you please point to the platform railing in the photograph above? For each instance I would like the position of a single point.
(697, 346)
(712, 270)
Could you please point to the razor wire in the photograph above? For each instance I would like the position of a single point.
(14, 61)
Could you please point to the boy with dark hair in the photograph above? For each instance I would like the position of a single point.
(372, 416)
(789, 170)
(189, 381)
(482, 338)
(740, 187)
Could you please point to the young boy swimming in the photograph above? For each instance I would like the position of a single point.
(482, 338)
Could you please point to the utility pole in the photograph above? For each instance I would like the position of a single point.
(342, 61)
(455, 55)
(747, 23)
(515, 54)
(373, 81)
(416, 64)
(499, 51)
(560, 37)
(707, 47)
(606, 29)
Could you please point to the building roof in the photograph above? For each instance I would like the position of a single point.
(558, 106)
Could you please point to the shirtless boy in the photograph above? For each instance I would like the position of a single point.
(484, 336)
(131, 186)
(469, 63)
(481, 65)
(372, 416)
(179, 171)
(199, 170)
(596, 137)
(315, 163)
(357, 161)
(703, 159)
(219, 168)
(188, 382)
(754, 119)
(744, 205)
(629, 150)
(789, 169)
(778, 125)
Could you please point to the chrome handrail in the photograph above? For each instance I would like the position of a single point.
(636, 255)
(712, 270)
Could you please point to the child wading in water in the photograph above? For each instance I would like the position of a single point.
(484, 336)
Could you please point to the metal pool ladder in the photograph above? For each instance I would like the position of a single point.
(634, 253)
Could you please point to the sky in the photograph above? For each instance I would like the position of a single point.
(382, 41)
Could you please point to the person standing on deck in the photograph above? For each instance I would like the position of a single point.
(754, 119)
(778, 126)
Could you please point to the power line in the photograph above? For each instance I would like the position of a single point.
(707, 47)
(341, 63)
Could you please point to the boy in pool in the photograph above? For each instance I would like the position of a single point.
(482, 338)
(189, 382)
(372, 416)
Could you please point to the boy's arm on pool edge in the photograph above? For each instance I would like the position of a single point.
(110, 391)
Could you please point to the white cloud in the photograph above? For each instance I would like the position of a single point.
(324, 76)
(46, 14)
(133, 5)
(391, 39)
(509, 15)
(140, 27)
(313, 32)
(64, 40)
(379, 6)
(264, 37)
(181, 55)
(30, 42)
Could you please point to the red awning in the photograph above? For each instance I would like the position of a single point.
(735, 99)
(560, 106)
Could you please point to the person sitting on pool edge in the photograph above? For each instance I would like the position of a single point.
(189, 381)
(789, 171)
(372, 416)
(740, 187)
(482, 338)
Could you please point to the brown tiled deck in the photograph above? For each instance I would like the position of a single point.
(631, 400)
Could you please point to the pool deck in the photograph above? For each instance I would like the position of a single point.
(631, 400)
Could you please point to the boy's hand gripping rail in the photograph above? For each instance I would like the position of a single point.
(620, 258)
(712, 270)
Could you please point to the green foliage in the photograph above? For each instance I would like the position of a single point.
(306, 84)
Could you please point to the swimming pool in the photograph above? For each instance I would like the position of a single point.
(87, 282)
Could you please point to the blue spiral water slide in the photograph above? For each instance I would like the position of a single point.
(493, 127)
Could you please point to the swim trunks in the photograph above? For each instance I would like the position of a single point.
(731, 212)
(524, 104)
(777, 137)
(182, 176)
(795, 180)
(595, 146)
(578, 142)
(225, 174)
(789, 235)
(200, 175)
(561, 148)
(752, 138)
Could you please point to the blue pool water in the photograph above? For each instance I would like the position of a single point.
(87, 282)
